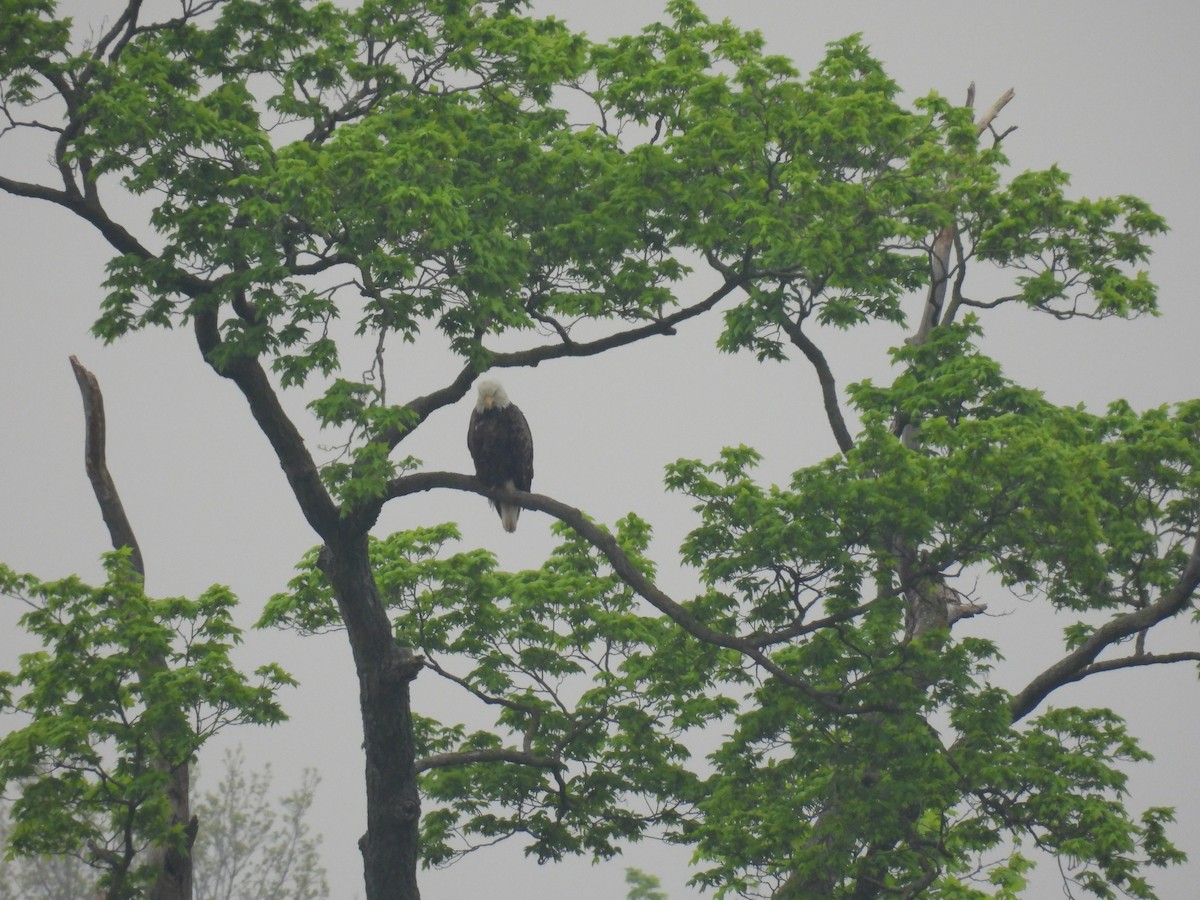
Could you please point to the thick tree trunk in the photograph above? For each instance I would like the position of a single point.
(385, 670)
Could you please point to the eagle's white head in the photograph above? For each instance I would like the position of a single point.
(491, 394)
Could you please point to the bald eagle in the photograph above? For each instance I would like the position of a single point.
(502, 447)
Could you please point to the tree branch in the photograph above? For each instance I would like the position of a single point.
(960, 276)
(125, 27)
(628, 571)
(829, 395)
(488, 755)
(424, 406)
(1139, 659)
(120, 531)
(939, 261)
(984, 122)
(490, 699)
(765, 639)
(247, 373)
(1081, 662)
(596, 536)
(946, 239)
(295, 460)
(925, 610)
(117, 235)
(665, 325)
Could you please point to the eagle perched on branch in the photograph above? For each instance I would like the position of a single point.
(502, 447)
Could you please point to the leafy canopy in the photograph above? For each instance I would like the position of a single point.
(126, 689)
(396, 168)
(327, 183)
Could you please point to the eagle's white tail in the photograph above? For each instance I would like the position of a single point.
(508, 516)
(509, 513)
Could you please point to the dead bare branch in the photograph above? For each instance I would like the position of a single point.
(984, 122)
(113, 511)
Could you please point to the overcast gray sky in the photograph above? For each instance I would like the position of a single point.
(1106, 89)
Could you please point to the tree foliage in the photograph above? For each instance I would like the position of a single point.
(328, 184)
(643, 886)
(249, 845)
(577, 747)
(915, 766)
(42, 877)
(98, 718)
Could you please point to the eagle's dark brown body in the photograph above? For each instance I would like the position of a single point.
(501, 446)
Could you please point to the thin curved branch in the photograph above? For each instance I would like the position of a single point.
(488, 755)
(988, 304)
(490, 699)
(91, 212)
(628, 571)
(1081, 662)
(1139, 659)
(426, 405)
(833, 410)
(765, 639)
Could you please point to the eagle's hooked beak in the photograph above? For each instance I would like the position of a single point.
(488, 402)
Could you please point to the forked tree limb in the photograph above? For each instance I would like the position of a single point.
(1082, 661)
(944, 240)
(984, 122)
